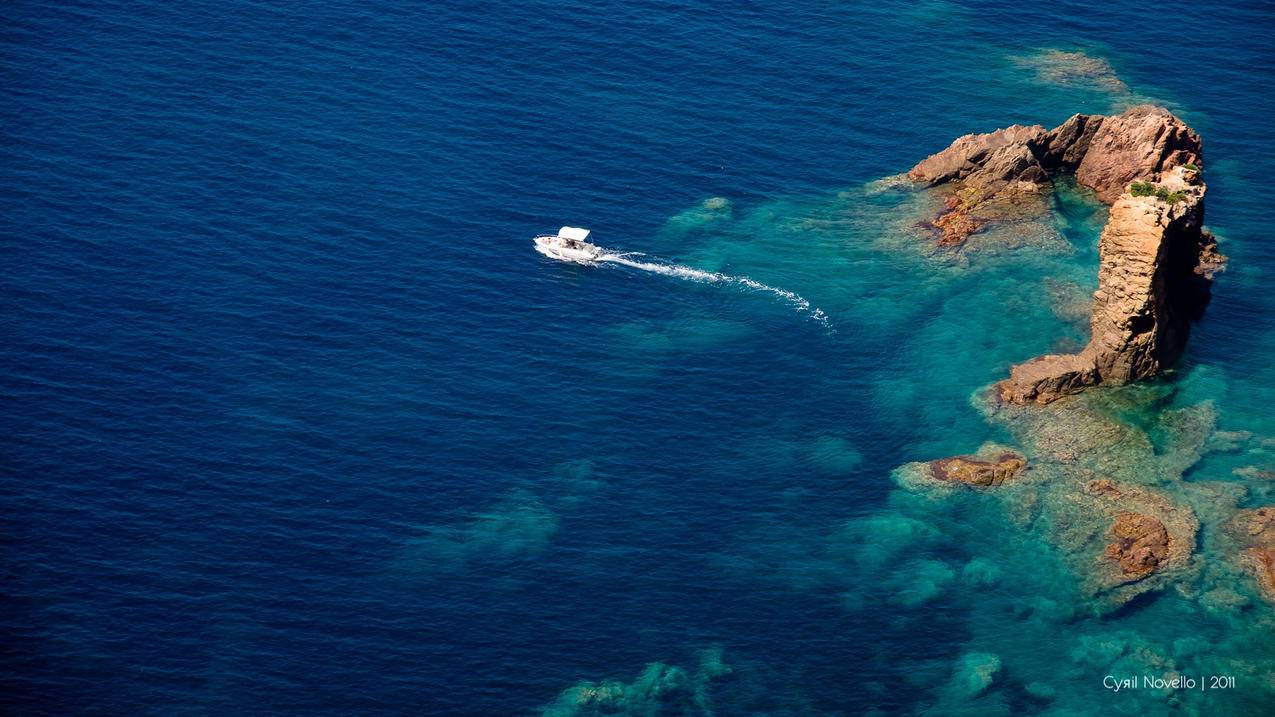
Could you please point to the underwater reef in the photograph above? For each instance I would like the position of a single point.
(660, 689)
(1071, 67)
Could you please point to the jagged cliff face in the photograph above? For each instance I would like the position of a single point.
(1107, 153)
(1151, 284)
(1156, 260)
(992, 174)
(1147, 285)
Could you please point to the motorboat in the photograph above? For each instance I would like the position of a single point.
(569, 244)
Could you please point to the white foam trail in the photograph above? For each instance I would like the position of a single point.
(686, 272)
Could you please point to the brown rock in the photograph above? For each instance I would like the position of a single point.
(976, 472)
(1140, 143)
(1151, 538)
(1103, 486)
(955, 226)
(1146, 285)
(1262, 560)
(1211, 261)
(983, 166)
(995, 156)
(1256, 529)
(1156, 260)
(1106, 153)
(1259, 524)
(1141, 543)
(1065, 145)
(1047, 378)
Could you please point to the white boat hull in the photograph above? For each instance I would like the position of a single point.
(555, 248)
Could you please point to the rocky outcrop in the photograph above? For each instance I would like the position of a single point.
(991, 172)
(1153, 279)
(1262, 562)
(1157, 261)
(1107, 153)
(1064, 146)
(1135, 145)
(988, 160)
(1256, 530)
(972, 471)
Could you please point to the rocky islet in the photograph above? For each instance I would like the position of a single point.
(1156, 259)
(1157, 263)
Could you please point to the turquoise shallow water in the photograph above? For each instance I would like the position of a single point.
(298, 423)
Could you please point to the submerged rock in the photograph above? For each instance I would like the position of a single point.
(1041, 691)
(834, 454)
(1256, 531)
(920, 582)
(981, 572)
(976, 672)
(519, 525)
(1149, 536)
(1224, 600)
(1102, 490)
(1253, 472)
(1141, 543)
(659, 689)
(955, 225)
(716, 204)
(1068, 300)
(1064, 67)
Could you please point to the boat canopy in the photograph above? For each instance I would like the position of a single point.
(577, 233)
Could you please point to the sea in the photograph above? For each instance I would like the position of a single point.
(296, 421)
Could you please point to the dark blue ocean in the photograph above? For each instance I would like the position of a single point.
(295, 421)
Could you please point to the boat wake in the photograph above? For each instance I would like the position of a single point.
(712, 277)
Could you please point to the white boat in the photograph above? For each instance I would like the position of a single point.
(569, 244)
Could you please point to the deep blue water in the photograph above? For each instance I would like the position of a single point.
(296, 422)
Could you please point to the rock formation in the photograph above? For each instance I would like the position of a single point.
(993, 174)
(1157, 262)
(975, 472)
(1107, 153)
(992, 465)
(1148, 534)
(1256, 529)
(1151, 285)
(1141, 543)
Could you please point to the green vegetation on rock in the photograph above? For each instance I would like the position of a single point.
(1150, 189)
